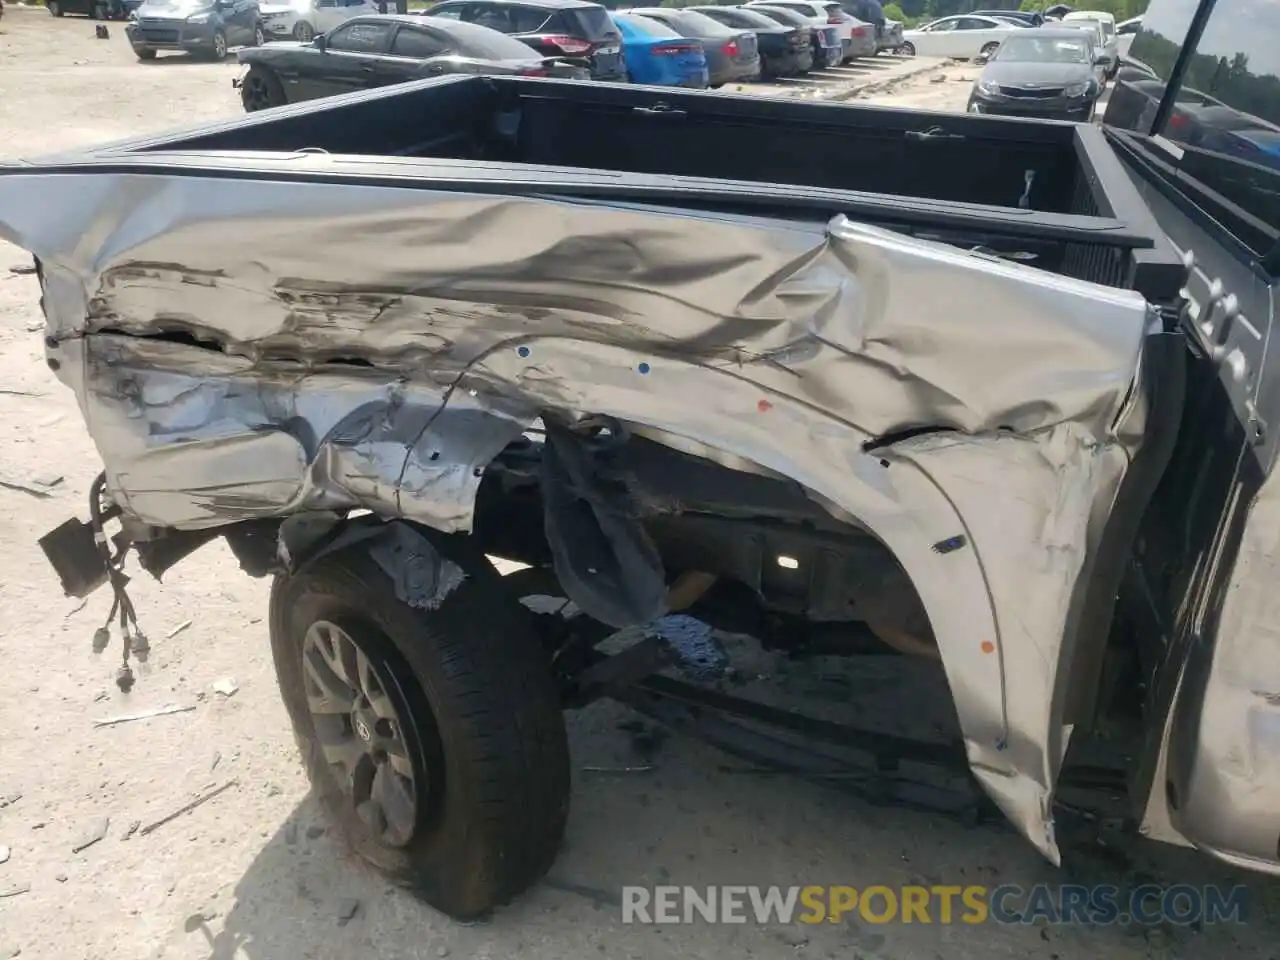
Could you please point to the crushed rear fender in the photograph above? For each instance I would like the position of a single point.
(245, 349)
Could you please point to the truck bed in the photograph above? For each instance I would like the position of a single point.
(1046, 194)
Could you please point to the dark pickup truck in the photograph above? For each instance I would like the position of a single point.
(710, 368)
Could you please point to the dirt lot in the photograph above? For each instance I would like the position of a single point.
(252, 873)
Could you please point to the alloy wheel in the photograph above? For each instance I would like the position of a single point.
(356, 710)
(303, 32)
(259, 38)
(219, 46)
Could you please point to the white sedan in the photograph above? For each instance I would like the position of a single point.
(303, 19)
(962, 36)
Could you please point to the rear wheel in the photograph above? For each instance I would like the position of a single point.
(988, 49)
(261, 89)
(54, 8)
(218, 51)
(144, 54)
(433, 737)
(303, 32)
(259, 35)
(906, 50)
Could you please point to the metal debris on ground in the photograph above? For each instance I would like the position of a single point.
(9, 392)
(346, 910)
(177, 630)
(131, 829)
(188, 807)
(14, 890)
(168, 708)
(226, 686)
(76, 609)
(92, 835)
(9, 800)
(24, 488)
(4, 853)
(217, 758)
(643, 769)
(47, 479)
(23, 269)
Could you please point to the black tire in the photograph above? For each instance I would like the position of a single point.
(259, 35)
(906, 50)
(145, 54)
(486, 726)
(303, 32)
(261, 89)
(54, 8)
(218, 49)
(989, 48)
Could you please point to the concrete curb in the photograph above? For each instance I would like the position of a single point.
(881, 84)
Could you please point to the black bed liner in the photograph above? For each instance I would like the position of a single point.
(1055, 190)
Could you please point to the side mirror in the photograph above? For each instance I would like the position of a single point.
(319, 42)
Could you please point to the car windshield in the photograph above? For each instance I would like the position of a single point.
(694, 24)
(1024, 49)
(483, 42)
(643, 26)
(783, 16)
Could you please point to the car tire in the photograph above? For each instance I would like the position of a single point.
(218, 49)
(476, 711)
(261, 89)
(303, 32)
(144, 54)
(259, 36)
(906, 50)
(988, 49)
(54, 8)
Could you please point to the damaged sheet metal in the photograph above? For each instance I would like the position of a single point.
(245, 348)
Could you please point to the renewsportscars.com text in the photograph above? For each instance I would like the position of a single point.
(1101, 904)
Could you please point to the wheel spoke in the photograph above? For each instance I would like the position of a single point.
(345, 752)
(394, 794)
(326, 692)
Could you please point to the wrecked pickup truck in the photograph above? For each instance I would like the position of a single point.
(809, 388)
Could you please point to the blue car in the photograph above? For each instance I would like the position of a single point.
(657, 55)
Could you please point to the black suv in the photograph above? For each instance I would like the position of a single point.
(555, 28)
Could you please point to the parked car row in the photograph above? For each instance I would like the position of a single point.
(688, 47)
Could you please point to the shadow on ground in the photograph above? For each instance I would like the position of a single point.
(694, 817)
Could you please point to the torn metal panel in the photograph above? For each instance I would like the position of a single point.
(342, 346)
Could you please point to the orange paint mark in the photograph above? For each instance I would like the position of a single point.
(988, 646)
(764, 406)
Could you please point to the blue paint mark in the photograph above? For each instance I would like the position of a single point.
(643, 368)
(522, 351)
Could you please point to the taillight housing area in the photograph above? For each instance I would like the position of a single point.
(573, 46)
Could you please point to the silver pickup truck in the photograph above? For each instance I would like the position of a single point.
(1011, 427)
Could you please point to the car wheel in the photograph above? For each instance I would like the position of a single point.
(988, 49)
(144, 54)
(218, 51)
(259, 35)
(54, 8)
(433, 737)
(261, 89)
(906, 50)
(303, 32)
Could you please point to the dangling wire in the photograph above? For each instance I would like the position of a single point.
(133, 640)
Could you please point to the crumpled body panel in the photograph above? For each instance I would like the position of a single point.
(337, 345)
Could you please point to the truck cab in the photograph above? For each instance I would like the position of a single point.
(1195, 118)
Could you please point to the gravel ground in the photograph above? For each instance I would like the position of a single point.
(252, 873)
